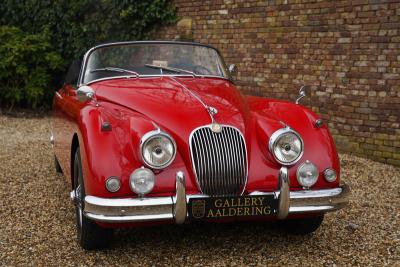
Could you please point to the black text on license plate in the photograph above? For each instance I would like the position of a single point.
(225, 207)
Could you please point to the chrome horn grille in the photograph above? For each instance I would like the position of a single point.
(219, 160)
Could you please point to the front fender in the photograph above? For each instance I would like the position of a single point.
(115, 151)
(319, 147)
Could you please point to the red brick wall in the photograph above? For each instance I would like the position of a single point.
(348, 51)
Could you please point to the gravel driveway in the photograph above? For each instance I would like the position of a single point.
(37, 220)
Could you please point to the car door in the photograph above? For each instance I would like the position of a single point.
(65, 111)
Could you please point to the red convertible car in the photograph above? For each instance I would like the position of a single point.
(156, 132)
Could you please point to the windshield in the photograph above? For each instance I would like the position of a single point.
(153, 59)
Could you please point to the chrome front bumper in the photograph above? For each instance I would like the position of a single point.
(129, 210)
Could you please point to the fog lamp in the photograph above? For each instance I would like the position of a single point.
(307, 174)
(330, 175)
(142, 181)
(113, 184)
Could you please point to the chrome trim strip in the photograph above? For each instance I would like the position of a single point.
(59, 95)
(284, 193)
(128, 209)
(92, 201)
(127, 219)
(153, 42)
(179, 200)
(311, 209)
(316, 193)
(206, 107)
(151, 76)
(319, 200)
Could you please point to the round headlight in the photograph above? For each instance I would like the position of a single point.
(330, 175)
(286, 145)
(113, 184)
(307, 174)
(142, 181)
(158, 149)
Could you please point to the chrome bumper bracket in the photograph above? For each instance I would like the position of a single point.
(180, 199)
(284, 194)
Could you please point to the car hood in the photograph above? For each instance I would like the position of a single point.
(174, 103)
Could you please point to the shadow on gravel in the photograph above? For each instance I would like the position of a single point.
(205, 235)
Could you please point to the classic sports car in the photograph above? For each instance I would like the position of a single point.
(156, 132)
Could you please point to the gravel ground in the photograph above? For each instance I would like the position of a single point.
(37, 220)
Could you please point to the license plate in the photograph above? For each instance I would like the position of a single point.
(228, 207)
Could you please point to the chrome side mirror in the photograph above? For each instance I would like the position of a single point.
(85, 93)
(302, 93)
(232, 69)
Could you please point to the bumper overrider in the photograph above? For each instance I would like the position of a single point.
(130, 210)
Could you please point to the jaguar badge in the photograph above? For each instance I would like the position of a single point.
(216, 128)
(198, 208)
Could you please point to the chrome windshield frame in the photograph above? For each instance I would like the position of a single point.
(91, 50)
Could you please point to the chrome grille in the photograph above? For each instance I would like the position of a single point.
(219, 160)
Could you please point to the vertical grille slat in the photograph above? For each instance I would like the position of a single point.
(232, 149)
(235, 155)
(240, 154)
(230, 165)
(219, 160)
(205, 160)
(216, 151)
(226, 165)
(212, 161)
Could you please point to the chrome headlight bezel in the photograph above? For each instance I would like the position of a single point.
(275, 138)
(148, 137)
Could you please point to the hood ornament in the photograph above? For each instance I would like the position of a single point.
(213, 111)
(215, 127)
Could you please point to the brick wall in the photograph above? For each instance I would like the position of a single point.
(347, 51)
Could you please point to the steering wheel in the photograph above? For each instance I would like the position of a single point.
(198, 69)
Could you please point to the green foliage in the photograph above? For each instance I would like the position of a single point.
(27, 60)
(73, 26)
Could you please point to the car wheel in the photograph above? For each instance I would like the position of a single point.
(57, 165)
(90, 235)
(302, 226)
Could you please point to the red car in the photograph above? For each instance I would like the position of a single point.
(156, 132)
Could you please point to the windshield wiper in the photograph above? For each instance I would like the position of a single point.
(116, 70)
(172, 69)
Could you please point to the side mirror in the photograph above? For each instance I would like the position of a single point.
(232, 69)
(302, 93)
(85, 93)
